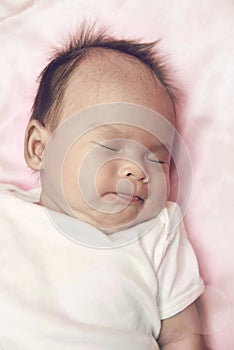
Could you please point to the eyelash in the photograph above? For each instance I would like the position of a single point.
(111, 149)
(157, 161)
(116, 150)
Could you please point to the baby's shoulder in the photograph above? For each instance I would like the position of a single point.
(171, 213)
(165, 224)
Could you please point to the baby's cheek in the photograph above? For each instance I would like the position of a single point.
(69, 184)
(105, 179)
(159, 186)
(70, 177)
(167, 181)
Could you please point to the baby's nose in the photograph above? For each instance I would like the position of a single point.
(134, 172)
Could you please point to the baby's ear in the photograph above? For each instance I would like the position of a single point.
(36, 138)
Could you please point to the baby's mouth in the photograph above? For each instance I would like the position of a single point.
(126, 198)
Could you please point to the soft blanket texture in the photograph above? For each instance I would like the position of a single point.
(198, 38)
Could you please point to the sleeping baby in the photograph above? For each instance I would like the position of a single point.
(98, 257)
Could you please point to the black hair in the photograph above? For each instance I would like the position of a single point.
(55, 76)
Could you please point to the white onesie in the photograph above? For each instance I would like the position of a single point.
(58, 294)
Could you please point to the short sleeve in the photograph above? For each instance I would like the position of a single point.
(179, 281)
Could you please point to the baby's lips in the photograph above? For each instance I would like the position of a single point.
(128, 197)
(138, 190)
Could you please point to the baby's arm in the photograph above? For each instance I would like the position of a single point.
(179, 332)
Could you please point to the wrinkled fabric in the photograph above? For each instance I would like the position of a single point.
(57, 293)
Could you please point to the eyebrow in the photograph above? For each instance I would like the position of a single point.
(114, 129)
(160, 146)
(111, 129)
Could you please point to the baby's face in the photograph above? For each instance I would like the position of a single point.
(116, 175)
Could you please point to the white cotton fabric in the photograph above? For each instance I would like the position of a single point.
(58, 294)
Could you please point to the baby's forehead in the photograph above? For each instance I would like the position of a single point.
(104, 70)
(111, 77)
(99, 63)
(126, 121)
(117, 129)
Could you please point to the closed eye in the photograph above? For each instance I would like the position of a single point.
(157, 161)
(106, 147)
(152, 158)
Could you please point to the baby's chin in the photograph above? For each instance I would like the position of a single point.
(112, 227)
(131, 217)
(112, 222)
